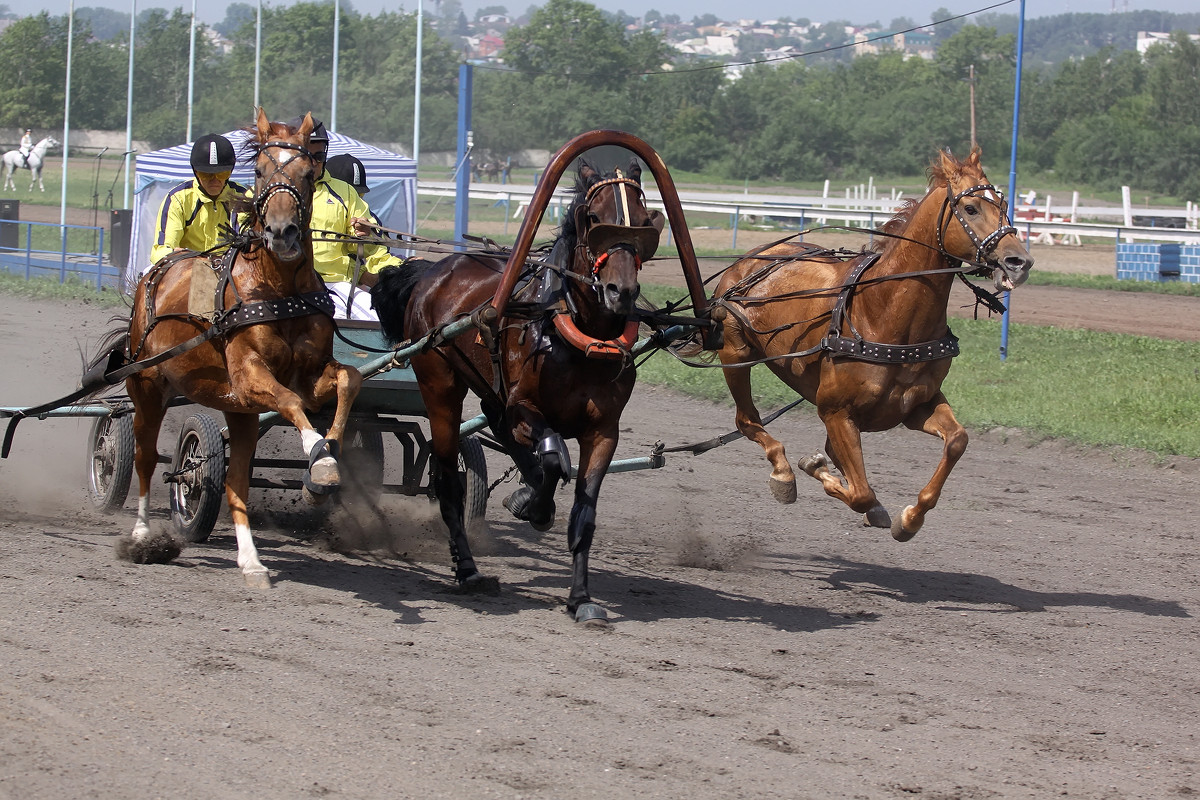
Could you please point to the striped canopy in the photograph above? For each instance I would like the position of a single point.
(392, 178)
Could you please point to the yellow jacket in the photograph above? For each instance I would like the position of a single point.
(335, 203)
(191, 219)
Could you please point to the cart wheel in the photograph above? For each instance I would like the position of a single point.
(110, 461)
(472, 470)
(362, 464)
(199, 486)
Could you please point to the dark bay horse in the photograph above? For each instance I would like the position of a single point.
(865, 339)
(564, 370)
(272, 351)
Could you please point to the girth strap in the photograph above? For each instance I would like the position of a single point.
(860, 349)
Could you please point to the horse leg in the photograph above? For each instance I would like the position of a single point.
(844, 446)
(783, 479)
(255, 383)
(595, 454)
(243, 439)
(142, 546)
(445, 414)
(540, 447)
(937, 419)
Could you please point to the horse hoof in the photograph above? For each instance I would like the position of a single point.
(591, 615)
(322, 476)
(899, 533)
(518, 503)
(783, 491)
(479, 584)
(877, 517)
(257, 580)
(158, 548)
(813, 464)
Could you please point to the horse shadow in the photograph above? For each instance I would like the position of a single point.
(403, 586)
(963, 591)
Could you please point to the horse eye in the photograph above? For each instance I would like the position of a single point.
(972, 210)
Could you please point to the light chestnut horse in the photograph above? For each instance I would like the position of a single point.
(275, 352)
(865, 339)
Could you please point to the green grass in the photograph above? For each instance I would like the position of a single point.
(1109, 283)
(51, 289)
(1097, 389)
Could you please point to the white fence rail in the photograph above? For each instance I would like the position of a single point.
(1045, 223)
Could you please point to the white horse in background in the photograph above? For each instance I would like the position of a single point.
(37, 157)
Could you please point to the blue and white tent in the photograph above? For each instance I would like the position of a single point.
(392, 178)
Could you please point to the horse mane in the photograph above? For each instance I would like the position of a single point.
(937, 175)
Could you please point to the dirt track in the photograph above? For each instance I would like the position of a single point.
(1037, 639)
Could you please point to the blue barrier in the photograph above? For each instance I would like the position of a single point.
(1138, 261)
(88, 267)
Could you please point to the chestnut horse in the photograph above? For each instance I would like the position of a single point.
(272, 349)
(865, 339)
(564, 366)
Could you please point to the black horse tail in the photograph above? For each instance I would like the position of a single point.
(390, 295)
(110, 354)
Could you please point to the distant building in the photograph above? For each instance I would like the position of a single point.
(1145, 39)
(912, 44)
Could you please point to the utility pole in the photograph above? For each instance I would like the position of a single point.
(971, 83)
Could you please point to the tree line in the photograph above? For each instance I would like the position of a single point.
(1106, 118)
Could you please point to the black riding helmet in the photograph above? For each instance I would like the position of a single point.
(213, 153)
(346, 167)
(319, 134)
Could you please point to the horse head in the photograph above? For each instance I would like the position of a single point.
(615, 233)
(983, 235)
(284, 176)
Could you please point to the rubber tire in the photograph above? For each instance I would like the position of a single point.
(197, 499)
(472, 471)
(362, 462)
(110, 461)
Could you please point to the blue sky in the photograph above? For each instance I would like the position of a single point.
(856, 11)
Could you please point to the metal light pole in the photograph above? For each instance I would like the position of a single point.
(191, 71)
(416, 149)
(1012, 171)
(62, 218)
(257, 51)
(337, 18)
(129, 102)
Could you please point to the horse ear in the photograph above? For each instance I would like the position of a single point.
(263, 125)
(973, 159)
(635, 171)
(587, 173)
(306, 127)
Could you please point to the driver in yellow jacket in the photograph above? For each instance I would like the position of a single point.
(193, 214)
(339, 211)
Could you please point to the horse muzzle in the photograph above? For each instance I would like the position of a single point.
(284, 240)
(1011, 271)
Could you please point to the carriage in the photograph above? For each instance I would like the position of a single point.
(550, 352)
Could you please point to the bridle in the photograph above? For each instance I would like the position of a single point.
(604, 239)
(983, 247)
(287, 185)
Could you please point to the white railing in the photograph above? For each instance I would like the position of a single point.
(868, 213)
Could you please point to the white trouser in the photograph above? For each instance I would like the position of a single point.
(362, 302)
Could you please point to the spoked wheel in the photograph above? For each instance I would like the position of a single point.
(472, 470)
(110, 461)
(198, 482)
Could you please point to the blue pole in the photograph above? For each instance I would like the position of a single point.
(1012, 170)
(462, 197)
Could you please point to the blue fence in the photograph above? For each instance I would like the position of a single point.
(1158, 262)
(70, 259)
